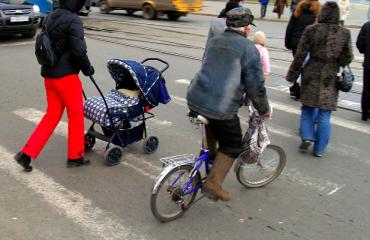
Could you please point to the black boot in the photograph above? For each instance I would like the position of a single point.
(364, 117)
(71, 163)
(24, 160)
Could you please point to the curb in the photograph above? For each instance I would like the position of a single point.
(266, 19)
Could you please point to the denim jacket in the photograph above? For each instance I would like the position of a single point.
(231, 67)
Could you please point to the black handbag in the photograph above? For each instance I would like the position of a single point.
(345, 81)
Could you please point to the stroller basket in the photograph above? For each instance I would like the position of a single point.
(126, 136)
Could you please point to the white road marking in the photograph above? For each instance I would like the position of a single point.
(285, 89)
(35, 116)
(319, 184)
(73, 205)
(17, 44)
(183, 81)
(352, 125)
(335, 190)
(147, 169)
(356, 126)
(343, 149)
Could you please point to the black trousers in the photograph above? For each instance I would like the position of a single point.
(228, 135)
(365, 100)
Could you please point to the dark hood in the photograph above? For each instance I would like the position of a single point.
(329, 13)
(72, 5)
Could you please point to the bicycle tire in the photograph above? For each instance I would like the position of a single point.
(158, 214)
(242, 169)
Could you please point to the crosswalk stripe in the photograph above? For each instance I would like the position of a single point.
(288, 133)
(149, 170)
(356, 126)
(73, 205)
(17, 44)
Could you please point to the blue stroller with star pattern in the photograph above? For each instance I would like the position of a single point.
(122, 113)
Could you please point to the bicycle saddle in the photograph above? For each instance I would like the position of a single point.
(198, 117)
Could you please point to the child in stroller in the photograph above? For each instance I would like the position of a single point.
(123, 112)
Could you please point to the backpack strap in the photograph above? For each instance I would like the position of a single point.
(45, 27)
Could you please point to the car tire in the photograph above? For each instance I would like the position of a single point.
(104, 7)
(173, 16)
(149, 12)
(130, 12)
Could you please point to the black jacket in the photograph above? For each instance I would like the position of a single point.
(363, 44)
(296, 26)
(66, 32)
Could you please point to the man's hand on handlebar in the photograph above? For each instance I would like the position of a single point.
(267, 115)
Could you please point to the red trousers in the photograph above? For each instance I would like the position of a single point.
(65, 92)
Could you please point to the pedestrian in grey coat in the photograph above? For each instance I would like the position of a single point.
(218, 25)
(329, 46)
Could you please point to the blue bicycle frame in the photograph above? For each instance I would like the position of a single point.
(203, 159)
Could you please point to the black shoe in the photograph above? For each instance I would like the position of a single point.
(71, 163)
(364, 117)
(24, 160)
(305, 145)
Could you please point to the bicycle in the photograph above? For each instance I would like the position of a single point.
(175, 189)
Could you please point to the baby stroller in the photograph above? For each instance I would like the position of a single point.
(123, 112)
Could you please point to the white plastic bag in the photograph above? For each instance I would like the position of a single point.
(255, 140)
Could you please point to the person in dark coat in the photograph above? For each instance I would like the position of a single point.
(363, 45)
(63, 86)
(329, 46)
(304, 15)
(279, 7)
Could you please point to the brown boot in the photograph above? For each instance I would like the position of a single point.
(213, 186)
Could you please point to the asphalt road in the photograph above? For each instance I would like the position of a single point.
(314, 198)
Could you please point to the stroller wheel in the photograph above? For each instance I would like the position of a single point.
(113, 156)
(150, 145)
(89, 141)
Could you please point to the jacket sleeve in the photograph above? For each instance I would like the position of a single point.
(78, 44)
(254, 81)
(361, 40)
(288, 33)
(265, 59)
(346, 56)
(300, 56)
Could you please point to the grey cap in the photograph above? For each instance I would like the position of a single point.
(239, 17)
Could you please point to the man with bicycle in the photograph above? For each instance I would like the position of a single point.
(231, 67)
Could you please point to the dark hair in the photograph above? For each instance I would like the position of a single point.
(229, 5)
(314, 7)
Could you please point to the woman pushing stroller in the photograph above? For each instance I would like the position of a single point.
(63, 86)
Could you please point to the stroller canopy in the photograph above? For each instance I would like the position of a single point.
(148, 80)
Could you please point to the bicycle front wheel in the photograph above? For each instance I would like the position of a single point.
(264, 171)
(169, 201)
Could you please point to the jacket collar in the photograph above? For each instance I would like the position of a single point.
(230, 30)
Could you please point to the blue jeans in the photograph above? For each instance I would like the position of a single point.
(319, 133)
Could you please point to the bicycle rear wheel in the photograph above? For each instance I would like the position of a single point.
(264, 171)
(169, 202)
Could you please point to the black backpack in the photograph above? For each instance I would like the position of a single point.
(44, 49)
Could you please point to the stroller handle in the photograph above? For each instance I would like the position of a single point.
(159, 60)
(101, 94)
